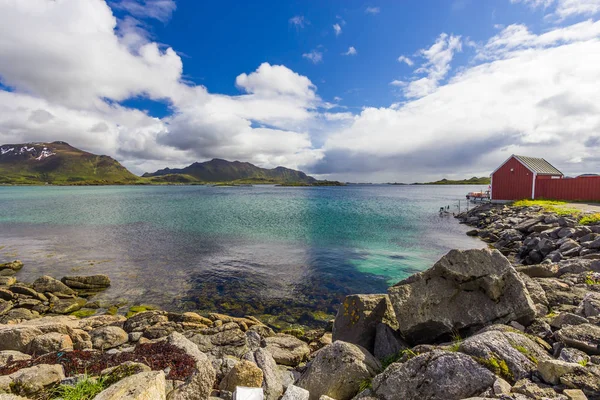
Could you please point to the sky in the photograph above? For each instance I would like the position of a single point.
(360, 91)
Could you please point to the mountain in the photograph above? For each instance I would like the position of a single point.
(58, 163)
(218, 170)
(484, 180)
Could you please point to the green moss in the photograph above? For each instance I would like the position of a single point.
(526, 353)
(112, 310)
(297, 332)
(590, 219)
(85, 389)
(138, 309)
(365, 384)
(591, 280)
(84, 312)
(583, 362)
(497, 366)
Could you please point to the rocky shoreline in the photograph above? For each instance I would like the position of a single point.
(520, 320)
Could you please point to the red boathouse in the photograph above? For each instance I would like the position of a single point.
(522, 177)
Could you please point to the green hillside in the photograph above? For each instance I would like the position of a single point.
(484, 180)
(58, 163)
(217, 170)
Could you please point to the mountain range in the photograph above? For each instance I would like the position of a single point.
(62, 164)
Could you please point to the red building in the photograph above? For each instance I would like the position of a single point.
(522, 177)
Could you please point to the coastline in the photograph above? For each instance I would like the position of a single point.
(532, 330)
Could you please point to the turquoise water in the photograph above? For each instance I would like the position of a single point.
(235, 249)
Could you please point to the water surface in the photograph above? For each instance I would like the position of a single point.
(260, 250)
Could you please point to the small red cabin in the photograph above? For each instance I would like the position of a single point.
(518, 177)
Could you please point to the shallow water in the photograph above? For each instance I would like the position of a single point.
(257, 250)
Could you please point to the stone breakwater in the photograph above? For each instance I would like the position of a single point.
(519, 320)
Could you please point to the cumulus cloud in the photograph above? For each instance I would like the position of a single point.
(540, 99)
(351, 51)
(314, 56)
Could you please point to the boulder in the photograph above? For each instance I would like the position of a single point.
(13, 266)
(7, 280)
(144, 320)
(29, 381)
(387, 342)
(143, 386)
(358, 316)
(67, 306)
(436, 375)
(7, 356)
(225, 340)
(585, 337)
(432, 303)
(573, 355)
(49, 342)
(590, 305)
(574, 394)
(16, 315)
(295, 393)
(567, 318)
(17, 338)
(272, 378)
(552, 370)
(338, 370)
(93, 282)
(244, 373)
(48, 284)
(200, 384)
(514, 353)
(107, 337)
(287, 349)
(536, 390)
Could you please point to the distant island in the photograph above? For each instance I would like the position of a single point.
(484, 180)
(58, 163)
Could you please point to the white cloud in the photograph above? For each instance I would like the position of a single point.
(539, 100)
(337, 98)
(565, 8)
(436, 67)
(406, 60)
(314, 56)
(157, 9)
(372, 10)
(337, 29)
(298, 21)
(399, 83)
(351, 51)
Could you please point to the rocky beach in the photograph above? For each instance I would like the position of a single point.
(519, 320)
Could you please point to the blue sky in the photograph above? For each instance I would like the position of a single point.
(351, 90)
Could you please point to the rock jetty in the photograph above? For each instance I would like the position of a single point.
(518, 320)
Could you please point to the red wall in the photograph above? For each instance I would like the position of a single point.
(583, 188)
(512, 185)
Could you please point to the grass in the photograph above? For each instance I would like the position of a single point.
(526, 353)
(364, 385)
(456, 342)
(590, 279)
(85, 389)
(592, 219)
(554, 206)
(583, 362)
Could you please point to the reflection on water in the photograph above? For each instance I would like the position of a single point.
(256, 250)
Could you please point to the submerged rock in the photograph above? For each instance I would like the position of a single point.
(436, 375)
(433, 303)
(49, 284)
(338, 371)
(93, 282)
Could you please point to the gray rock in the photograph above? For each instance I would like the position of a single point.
(49, 342)
(338, 370)
(17, 338)
(7, 356)
(539, 270)
(566, 318)
(296, 393)
(245, 374)
(273, 380)
(536, 390)
(108, 337)
(144, 320)
(517, 351)
(48, 284)
(436, 375)
(387, 342)
(432, 303)
(590, 305)
(200, 384)
(93, 282)
(552, 370)
(143, 386)
(67, 306)
(358, 316)
(29, 381)
(574, 394)
(225, 340)
(528, 223)
(287, 350)
(585, 337)
(573, 355)
(536, 291)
